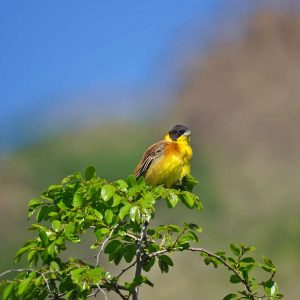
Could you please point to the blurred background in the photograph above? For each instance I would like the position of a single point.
(97, 82)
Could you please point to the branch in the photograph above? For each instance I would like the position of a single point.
(126, 269)
(110, 287)
(138, 270)
(99, 289)
(136, 238)
(220, 259)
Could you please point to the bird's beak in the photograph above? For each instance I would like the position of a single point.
(188, 133)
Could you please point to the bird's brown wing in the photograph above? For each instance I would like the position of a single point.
(150, 155)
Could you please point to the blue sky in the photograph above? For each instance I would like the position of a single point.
(56, 47)
(53, 46)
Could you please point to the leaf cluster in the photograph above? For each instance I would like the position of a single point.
(116, 213)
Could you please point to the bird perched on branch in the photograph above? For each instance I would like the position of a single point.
(167, 161)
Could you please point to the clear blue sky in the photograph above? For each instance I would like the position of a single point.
(54, 47)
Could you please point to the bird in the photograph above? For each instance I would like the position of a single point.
(167, 162)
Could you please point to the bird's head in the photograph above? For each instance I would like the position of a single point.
(179, 133)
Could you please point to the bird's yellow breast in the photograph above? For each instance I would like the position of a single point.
(173, 165)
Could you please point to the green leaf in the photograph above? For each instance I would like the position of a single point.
(267, 268)
(117, 200)
(149, 264)
(77, 200)
(134, 213)
(104, 230)
(230, 297)
(131, 181)
(107, 192)
(232, 260)
(51, 249)
(33, 203)
(173, 228)
(192, 226)
(25, 284)
(172, 199)
(189, 182)
(249, 249)
(124, 211)
(8, 290)
(95, 275)
(97, 214)
(193, 236)
(267, 261)
(95, 245)
(164, 267)
(271, 288)
(248, 260)
(44, 238)
(235, 249)
(23, 249)
(70, 230)
(117, 257)
(90, 173)
(98, 234)
(54, 266)
(187, 199)
(56, 225)
(32, 257)
(207, 260)
(113, 246)
(108, 216)
(42, 213)
(129, 252)
(122, 185)
(234, 279)
(76, 275)
(166, 259)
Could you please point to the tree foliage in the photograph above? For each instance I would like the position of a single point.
(119, 215)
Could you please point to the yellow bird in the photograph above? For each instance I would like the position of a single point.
(167, 161)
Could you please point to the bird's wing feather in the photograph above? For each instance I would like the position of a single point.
(151, 154)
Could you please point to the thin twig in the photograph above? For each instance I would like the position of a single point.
(120, 294)
(110, 287)
(132, 236)
(179, 236)
(102, 291)
(103, 245)
(47, 283)
(126, 269)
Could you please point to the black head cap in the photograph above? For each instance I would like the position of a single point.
(179, 130)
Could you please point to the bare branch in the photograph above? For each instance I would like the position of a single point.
(126, 269)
